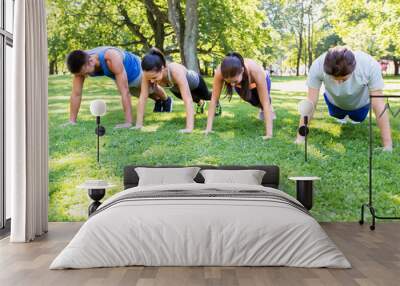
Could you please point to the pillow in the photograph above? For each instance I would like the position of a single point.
(248, 177)
(166, 176)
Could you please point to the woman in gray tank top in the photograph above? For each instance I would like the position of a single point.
(185, 84)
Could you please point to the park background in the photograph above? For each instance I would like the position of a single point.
(284, 36)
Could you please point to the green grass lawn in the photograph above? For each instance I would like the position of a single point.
(338, 154)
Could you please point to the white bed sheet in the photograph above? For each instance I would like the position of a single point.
(200, 232)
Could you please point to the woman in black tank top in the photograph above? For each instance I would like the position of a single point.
(251, 83)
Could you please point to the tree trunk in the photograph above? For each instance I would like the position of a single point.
(300, 48)
(206, 68)
(52, 67)
(305, 53)
(176, 19)
(191, 35)
(310, 36)
(158, 30)
(396, 66)
(300, 34)
(160, 37)
(157, 20)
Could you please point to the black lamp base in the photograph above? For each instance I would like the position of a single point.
(96, 195)
(304, 193)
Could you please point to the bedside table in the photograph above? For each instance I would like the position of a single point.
(96, 191)
(304, 190)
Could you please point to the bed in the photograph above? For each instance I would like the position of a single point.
(201, 224)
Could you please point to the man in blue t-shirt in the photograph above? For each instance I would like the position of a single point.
(121, 66)
(349, 79)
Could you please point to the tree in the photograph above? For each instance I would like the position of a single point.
(233, 25)
(296, 21)
(186, 30)
(133, 25)
(368, 26)
(300, 24)
(192, 30)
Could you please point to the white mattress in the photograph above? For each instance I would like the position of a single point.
(203, 231)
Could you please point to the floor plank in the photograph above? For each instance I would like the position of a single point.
(374, 255)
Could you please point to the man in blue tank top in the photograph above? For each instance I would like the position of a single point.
(121, 66)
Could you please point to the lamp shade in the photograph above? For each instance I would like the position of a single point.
(306, 107)
(98, 107)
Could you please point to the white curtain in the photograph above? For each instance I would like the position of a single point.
(26, 124)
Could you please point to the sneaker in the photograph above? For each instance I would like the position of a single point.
(353, 122)
(262, 118)
(261, 115)
(273, 112)
(200, 107)
(157, 106)
(218, 110)
(167, 104)
(341, 121)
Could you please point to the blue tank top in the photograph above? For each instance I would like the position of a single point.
(131, 63)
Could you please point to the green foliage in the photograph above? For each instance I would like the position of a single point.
(338, 154)
(232, 25)
(224, 25)
(367, 25)
(268, 31)
(86, 24)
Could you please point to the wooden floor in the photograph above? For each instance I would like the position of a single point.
(374, 255)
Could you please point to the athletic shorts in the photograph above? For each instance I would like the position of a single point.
(134, 86)
(357, 115)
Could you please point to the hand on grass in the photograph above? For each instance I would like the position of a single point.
(388, 149)
(383, 149)
(123, 125)
(137, 127)
(206, 132)
(299, 140)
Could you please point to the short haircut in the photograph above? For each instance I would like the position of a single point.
(339, 61)
(76, 60)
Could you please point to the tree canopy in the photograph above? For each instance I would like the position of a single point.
(288, 34)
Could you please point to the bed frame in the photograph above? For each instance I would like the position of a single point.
(270, 179)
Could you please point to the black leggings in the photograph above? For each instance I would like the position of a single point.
(255, 98)
(201, 92)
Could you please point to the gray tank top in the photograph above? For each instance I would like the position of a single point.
(192, 78)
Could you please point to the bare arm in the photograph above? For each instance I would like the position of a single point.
(144, 94)
(378, 105)
(313, 94)
(76, 97)
(179, 76)
(115, 64)
(218, 83)
(259, 78)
